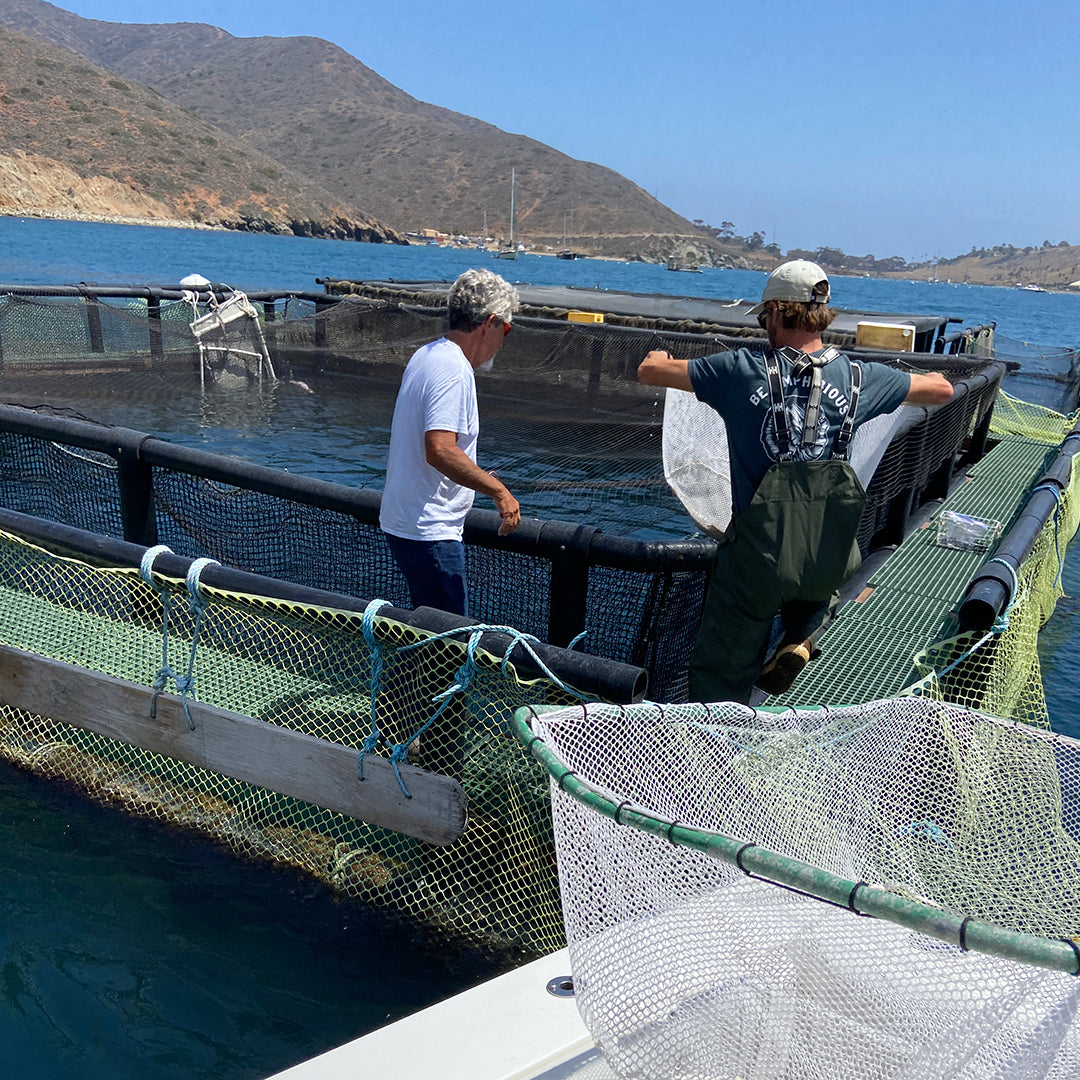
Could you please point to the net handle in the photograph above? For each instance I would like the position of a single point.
(965, 933)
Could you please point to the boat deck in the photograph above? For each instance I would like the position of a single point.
(910, 600)
(509, 1028)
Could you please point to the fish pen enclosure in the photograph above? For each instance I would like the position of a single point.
(606, 549)
(182, 634)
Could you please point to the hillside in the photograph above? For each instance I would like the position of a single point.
(1052, 266)
(411, 164)
(80, 140)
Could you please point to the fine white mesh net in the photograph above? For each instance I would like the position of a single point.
(687, 966)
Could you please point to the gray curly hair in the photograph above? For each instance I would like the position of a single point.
(477, 294)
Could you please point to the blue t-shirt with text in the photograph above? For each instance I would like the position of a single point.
(736, 386)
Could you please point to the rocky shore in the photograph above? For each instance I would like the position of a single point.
(106, 219)
(33, 186)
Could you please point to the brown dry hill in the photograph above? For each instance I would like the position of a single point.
(1052, 266)
(305, 101)
(79, 140)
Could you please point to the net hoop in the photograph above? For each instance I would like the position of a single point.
(965, 933)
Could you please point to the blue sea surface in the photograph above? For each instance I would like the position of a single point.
(131, 951)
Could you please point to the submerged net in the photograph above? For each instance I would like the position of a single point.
(959, 831)
(312, 670)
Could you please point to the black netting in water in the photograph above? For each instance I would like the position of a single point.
(509, 589)
(1046, 375)
(83, 327)
(63, 483)
(652, 619)
(276, 537)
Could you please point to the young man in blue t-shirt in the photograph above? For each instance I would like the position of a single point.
(790, 412)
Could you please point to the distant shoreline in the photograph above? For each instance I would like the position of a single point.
(42, 214)
(39, 214)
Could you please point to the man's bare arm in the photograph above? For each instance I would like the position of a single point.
(660, 368)
(932, 389)
(443, 453)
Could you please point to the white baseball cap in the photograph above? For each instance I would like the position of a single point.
(799, 280)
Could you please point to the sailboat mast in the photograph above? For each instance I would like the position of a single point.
(511, 206)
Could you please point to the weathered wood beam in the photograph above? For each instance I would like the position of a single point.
(276, 758)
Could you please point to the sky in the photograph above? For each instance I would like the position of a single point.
(921, 128)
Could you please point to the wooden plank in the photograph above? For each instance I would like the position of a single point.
(290, 762)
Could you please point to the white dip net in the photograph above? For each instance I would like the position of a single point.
(957, 830)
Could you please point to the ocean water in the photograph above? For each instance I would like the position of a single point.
(130, 951)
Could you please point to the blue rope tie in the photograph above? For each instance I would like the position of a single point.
(970, 652)
(1056, 492)
(165, 672)
(1001, 623)
(399, 752)
(185, 684)
(375, 649)
(517, 637)
(462, 680)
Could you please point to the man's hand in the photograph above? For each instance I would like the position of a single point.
(660, 368)
(509, 512)
(444, 454)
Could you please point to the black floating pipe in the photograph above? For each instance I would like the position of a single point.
(608, 679)
(93, 325)
(81, 433)
(991, 589)
(135, 484)
(153, 325)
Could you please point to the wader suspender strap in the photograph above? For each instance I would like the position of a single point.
(813, 406)
(843, 437)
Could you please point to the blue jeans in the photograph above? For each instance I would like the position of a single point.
(435, 571)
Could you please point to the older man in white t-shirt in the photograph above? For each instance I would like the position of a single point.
(431, 474)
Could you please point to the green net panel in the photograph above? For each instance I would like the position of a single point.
(310, 670)
(1036, 422)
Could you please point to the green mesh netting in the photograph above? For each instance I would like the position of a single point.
(308, 669)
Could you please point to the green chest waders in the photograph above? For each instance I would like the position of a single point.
(787, 551)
